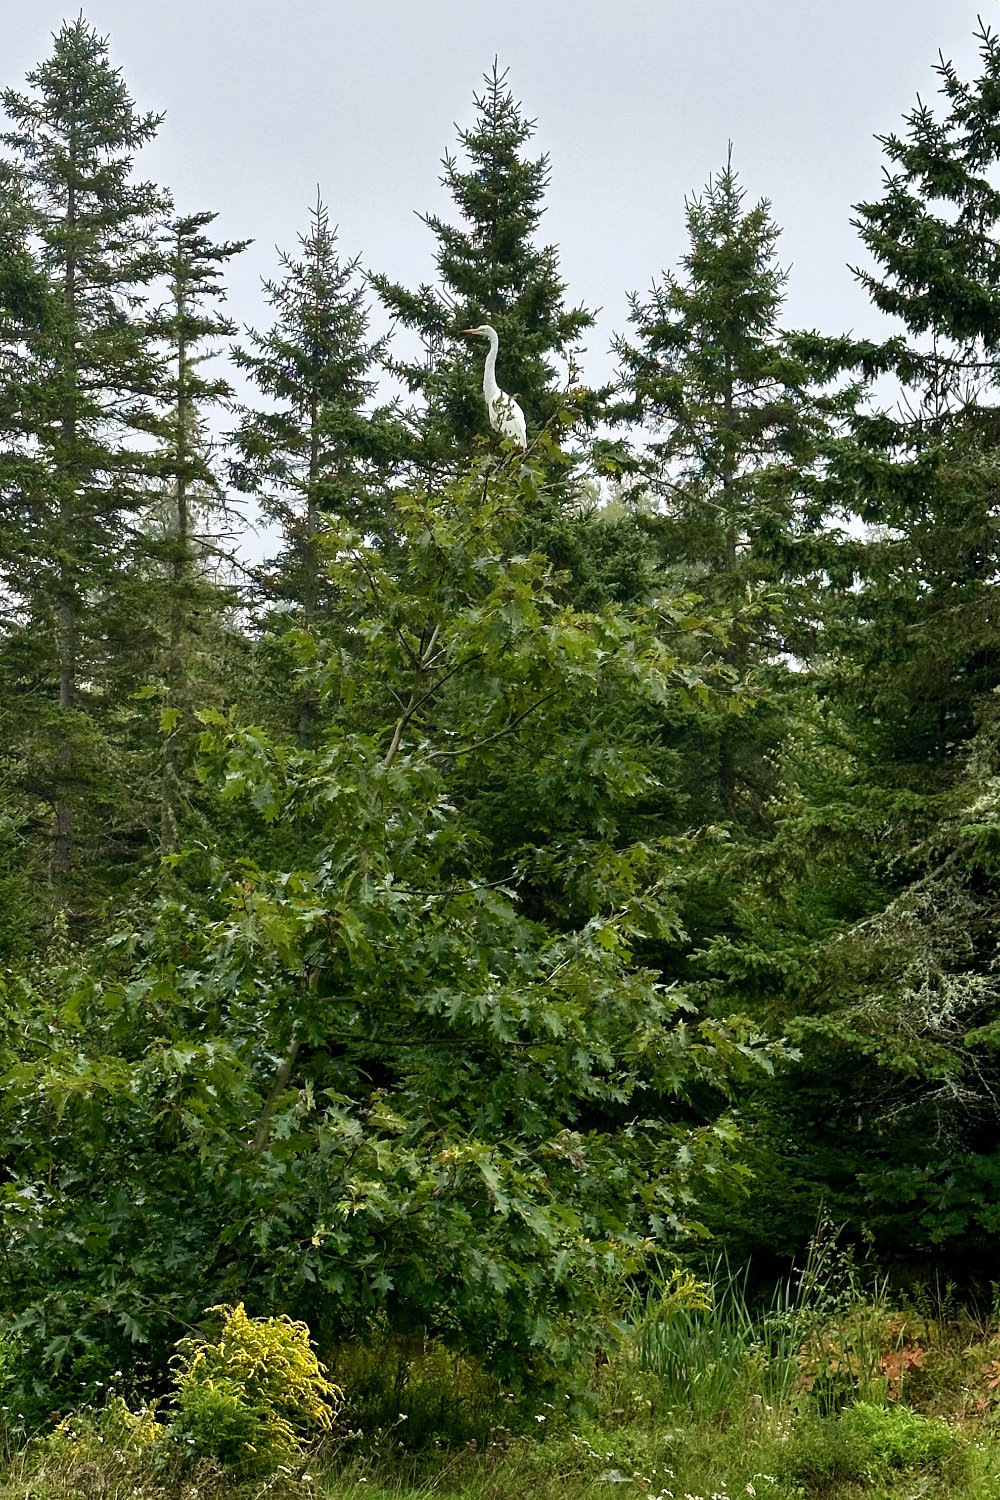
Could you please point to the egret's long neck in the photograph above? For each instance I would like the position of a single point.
(490, 387)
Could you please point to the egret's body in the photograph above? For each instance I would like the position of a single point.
(506, 417)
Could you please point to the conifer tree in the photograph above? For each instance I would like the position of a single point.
(921, 622)
(736, 429)
(873, 939)
(25, 307)
(918, 658)
(24, 301)
(736, 420)
(186, 601)
(490, 270)
(84, 397)
(318, 451)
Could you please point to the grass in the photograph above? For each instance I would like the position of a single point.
(827, 1393)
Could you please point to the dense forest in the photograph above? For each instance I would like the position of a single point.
(551, 863)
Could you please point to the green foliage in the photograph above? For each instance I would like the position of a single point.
(738, 422)
(704, 1351)
(89, 1450)
(510, 818)
(897, 1436)
(867, 1444)
(613, 1432)
(490, 270)
(75, 458)
(419, 1393)
(216, 1420)
(317, 450)
(707, 1359)
(247, 1397)
(385, 1086)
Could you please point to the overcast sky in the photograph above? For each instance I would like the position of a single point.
(635, 101)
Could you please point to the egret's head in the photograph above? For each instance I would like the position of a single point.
(483, 332)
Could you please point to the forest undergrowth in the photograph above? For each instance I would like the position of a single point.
(831, 1387)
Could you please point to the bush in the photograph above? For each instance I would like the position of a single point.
(866, 1442)
(247, 1398)
(96, 1454)
(421, 1393)
(899, 1437)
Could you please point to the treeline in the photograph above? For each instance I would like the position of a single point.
(545, 857)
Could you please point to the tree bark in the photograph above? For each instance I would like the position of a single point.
(66, 603)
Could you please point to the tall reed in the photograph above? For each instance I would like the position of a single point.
(818, 1335)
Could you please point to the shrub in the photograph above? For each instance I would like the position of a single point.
(867, 1442)
(421, 1392)
(247, 1398)
(899, 1437)
(90, 1453)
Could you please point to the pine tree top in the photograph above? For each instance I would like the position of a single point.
(79, 129)
(320, 441)
(490, 270)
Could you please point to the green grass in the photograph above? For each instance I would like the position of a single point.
(826, 1393)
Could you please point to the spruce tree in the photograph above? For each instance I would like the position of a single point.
(735, 429)
(318, 451)
(918, 660)
(736, 421)
(25, 308)
(869, 930)
(490, 270)
(921, 623)
(85, 391)
(182, 541)
(24, 289)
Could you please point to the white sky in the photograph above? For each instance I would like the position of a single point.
(635, 100)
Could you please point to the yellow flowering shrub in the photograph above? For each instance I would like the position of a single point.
(248, 1397)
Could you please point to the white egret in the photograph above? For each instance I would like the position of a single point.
(506, 417)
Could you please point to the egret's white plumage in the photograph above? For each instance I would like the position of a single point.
(506, 417)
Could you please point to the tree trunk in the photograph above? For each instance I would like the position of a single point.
(308, 706)
(179, 569)
(66, 604)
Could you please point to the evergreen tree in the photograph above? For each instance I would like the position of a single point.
(870, 929)
(24, 289)
(183, 597)
(921, 624)
(736, 428)
(26, 306)
(84, 400)
(736, 421)
(490, 270)
(317, 452)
